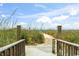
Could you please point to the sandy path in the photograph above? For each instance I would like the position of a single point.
(41, 49)
(48, 39)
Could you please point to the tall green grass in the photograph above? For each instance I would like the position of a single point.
(71, 36)
(7, 34)
(32, 37)
(7, 37)
(67, 35)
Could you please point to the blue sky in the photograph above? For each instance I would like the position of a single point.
(46, 15)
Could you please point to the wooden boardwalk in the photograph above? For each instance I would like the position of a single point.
(41, 49)
(58, 46)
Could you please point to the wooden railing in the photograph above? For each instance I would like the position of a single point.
(64, 48)
(14, 49)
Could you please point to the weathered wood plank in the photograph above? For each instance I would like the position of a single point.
(13, 49)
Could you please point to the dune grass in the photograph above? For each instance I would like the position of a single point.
(32, 37)
(68, 35)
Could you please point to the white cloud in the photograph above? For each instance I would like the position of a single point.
(74, 25)
(65, 13)
(21, 23)
(53, 23)
(73, 11)
(40, 6)
(3, 15)
(60, 18)
(44, 19)
(47, 22)
(1, 4)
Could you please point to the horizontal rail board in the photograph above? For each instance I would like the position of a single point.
(10, 45)
(74, 44)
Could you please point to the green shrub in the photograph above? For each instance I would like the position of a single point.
(32, 36)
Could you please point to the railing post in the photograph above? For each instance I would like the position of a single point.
(59, 47)
(53, 45)
(59, 31)
(63, 48)
(75, 51)
(18, 32)
(68, 50)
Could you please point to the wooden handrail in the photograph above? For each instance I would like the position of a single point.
(14, 49)
(10, 45)
(66, 42)
(65, 48)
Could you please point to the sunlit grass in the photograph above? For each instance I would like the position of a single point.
(67, 35)
(7, 33)
(32, 37)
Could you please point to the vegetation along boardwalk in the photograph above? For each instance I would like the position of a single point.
(44, 49)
